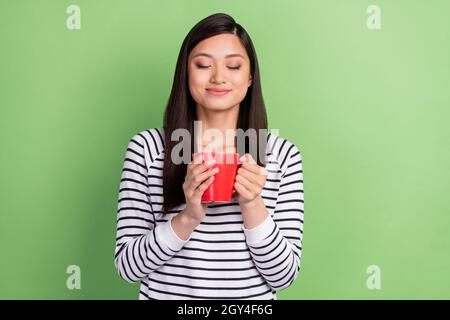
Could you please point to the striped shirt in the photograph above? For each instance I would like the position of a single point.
(221, 259)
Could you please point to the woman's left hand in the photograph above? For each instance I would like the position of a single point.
(250, 180)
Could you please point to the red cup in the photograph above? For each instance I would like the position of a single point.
(222, 188)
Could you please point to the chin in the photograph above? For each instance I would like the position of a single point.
(218, 106)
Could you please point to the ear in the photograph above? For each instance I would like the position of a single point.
(250, 81)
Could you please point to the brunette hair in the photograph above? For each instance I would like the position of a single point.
(181, 107)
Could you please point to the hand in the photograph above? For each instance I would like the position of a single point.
(250, 180)
(199, 177)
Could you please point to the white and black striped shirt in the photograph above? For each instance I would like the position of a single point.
(221, 259)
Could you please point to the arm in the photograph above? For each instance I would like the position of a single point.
(141, 245)
(275, 244)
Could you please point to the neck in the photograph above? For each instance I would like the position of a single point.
(218, 129)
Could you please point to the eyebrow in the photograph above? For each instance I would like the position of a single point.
(210, 56)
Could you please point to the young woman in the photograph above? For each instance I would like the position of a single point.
(179, 247)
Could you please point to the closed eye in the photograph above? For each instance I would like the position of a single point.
(205, 67)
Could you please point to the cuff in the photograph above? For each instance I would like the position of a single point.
(260, 232)
(169, 237)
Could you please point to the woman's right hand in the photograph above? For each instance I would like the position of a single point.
(199, 177)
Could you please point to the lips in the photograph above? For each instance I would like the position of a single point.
(217, 92)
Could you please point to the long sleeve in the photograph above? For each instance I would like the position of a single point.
(142, 246)
(276, 244)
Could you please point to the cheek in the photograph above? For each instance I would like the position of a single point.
(240, 84)
(239, 80)
(197, 83)
(197, 79)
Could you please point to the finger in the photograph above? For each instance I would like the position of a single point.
(248, 162)
(247, 184)
(242, 191)
(198, 192)
(247, 158)
(195, 171)
(203, 167)
(196, 160)
(255, 169)
(198, 168)
(249, 175)
(202, 187)
(199, 179)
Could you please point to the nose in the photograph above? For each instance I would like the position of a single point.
(218, 75)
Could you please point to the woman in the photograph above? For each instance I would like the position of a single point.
(179, 247)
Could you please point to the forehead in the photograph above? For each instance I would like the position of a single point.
(219, 47)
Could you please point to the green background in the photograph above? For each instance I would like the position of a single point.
(369, 110)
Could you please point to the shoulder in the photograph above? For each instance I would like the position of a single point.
(149, 142)
(283, 150)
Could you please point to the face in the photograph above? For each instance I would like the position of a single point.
(219, 62)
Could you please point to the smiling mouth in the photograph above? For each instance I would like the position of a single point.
(217, 92)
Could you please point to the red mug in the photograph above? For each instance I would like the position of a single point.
(222, 187)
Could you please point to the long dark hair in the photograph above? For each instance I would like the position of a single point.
(180, 112)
